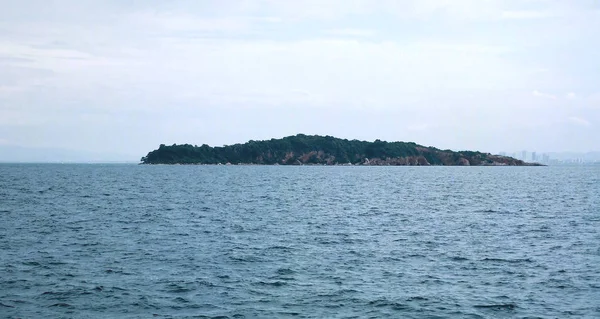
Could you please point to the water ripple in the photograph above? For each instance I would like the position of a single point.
(132, 241)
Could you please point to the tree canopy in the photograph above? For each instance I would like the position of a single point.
(304, 149)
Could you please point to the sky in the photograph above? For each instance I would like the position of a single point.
(123, 76)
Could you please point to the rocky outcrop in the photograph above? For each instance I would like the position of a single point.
(463, 162)
(396, 161)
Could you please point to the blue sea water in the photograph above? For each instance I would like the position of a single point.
(130, 241)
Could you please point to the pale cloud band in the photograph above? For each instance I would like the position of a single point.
(73, 71)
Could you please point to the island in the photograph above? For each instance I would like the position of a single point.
(304, 149)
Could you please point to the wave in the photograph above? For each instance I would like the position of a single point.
(277, 283)
(388, 303)
(502, 260)
(506, 306)
(459, 258)
(285, 271)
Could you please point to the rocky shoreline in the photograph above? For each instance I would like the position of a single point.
(326, 151)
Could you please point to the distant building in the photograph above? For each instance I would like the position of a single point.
(533, 157)
(524, 155)
(545, 158)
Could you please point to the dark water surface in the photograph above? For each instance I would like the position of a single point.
(128, 241)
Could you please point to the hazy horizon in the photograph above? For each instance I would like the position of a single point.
(120, 78)
(20, 154)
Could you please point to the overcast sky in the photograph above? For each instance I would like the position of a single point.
(123, 76)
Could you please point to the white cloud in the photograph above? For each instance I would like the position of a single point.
(571, 96)
(539, 94)
(336, 72)
(579, 121)
(463, 48)
(522, 15)
(419, 127)
(184, 22)
(457, 10)
(303, 93)
(593, 101)
(6, 90)
(351, 32)
(431, 61)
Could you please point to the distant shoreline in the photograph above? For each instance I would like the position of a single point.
(67, 162)
(324, 165)
(324, 151)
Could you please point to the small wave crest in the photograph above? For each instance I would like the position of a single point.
(388, 304)
(502, 260)
(277, 283)
(498, 307)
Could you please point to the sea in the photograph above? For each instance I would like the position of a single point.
(145, 241)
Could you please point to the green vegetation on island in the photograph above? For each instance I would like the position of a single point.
(323, 150)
